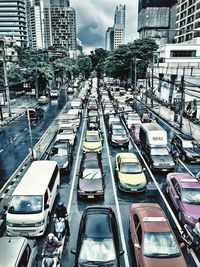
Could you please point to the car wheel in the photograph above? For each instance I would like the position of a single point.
(179, 216)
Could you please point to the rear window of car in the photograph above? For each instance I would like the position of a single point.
(98, 226)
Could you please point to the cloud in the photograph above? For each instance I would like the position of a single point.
(95, 16)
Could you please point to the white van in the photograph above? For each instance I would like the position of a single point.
(33, 199)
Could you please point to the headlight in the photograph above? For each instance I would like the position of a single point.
(99, 191)
(66, 164)
(9, 224)
(39, 223)
(189, 155)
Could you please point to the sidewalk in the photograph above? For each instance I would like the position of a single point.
(18, 107)
(167, 114)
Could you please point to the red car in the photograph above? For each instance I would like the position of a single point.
(154, 242)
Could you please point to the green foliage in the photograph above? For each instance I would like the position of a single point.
(119, 63)
(84, 65)
(98, 57)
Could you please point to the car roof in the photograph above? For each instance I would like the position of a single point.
(185, 137)
(186, 180)
(91, 160)
(152, 217)
(10, 250)
(127, 157)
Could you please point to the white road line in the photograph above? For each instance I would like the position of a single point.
(75, 170)
(163, 197)
(1, 150)
(116, 201)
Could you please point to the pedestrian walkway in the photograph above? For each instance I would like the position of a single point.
(167, 114)
(18, 107)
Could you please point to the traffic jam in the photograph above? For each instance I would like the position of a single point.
(113, 184)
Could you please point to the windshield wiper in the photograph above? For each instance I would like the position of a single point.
(86, 175)
(93, 175)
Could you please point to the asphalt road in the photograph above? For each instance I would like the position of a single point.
(15, 142)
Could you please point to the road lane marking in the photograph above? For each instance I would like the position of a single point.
(75, 169)
(162, 196)
(1, 150)
(116, 200)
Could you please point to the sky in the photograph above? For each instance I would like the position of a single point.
(93, 17)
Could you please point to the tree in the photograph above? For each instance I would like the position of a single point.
(119, 62)
(98, 57)
(85, 65)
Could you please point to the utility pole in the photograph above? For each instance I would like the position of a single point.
(135, 82)
(5, 77)
(146, 87)
(152, 82)
(182, 99)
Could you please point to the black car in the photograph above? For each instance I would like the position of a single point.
(93, 120)
(90, 178)
(92, 104)
(118, 136)
(98, 239)
(61, 152)
(188, 147)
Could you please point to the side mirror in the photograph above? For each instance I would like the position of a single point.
(73, 251)
(46, 206)
(144, 169)
(182, 245)
(121, 253)
(137, 246)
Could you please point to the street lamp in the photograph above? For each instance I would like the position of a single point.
(135, 60)
(2, 42)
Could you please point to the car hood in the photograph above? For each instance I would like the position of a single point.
(193, 151)
(191, 209)
(90, 184)
(158, 262)
(91, 145)
(163, 159)
(133, 179)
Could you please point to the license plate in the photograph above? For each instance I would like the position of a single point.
(164, 170)
(132, 189)
(90, 196)
(24, 234)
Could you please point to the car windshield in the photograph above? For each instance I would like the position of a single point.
(59, 150)
(159, 151)
(97, 251)
(120, 132)
(65, 131)
(92, 138)
(191, 195)
(89, 174)
(133, 117)
(160, 244)
(188, 144)
(131, 167)
(25, 205)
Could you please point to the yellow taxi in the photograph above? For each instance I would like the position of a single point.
(92, 142)
(129, 173)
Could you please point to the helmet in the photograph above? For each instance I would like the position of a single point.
(50, 237)
(60, 204)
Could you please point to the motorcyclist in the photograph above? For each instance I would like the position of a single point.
(51, 245)
(144, 117)
(175, 153)
(61, 212)
(196, 231)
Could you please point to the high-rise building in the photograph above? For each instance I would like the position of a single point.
(115, 36)
(13, 21)
(109, 39)
(63, 25)
(36, 19)
(47, 24)
(119, 26)
(155, 18)
(188, 21)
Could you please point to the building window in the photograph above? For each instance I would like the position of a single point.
(183, 53)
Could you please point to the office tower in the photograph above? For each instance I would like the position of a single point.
(63, 25)
(155, 18)
(188, 21)
(47, 24)
(109, 39)
(37, 37)
(119, 25)
(13, 21)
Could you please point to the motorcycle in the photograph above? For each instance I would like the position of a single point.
(175, 156)
(51, 260)
(190, 238)
(59, 227)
